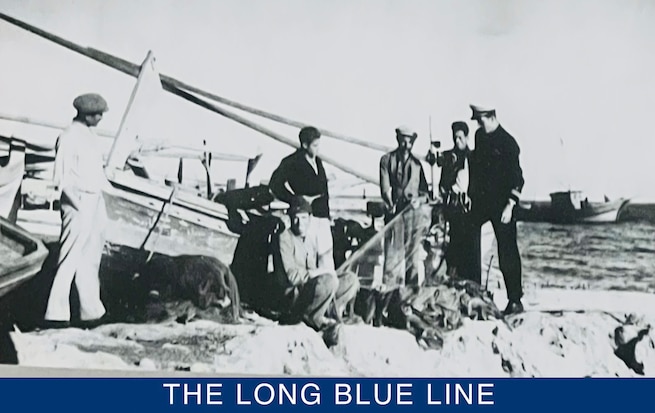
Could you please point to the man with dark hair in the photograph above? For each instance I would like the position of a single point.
(495, 188)
(305, 276)
(464, 245)
(302, 174)
(402, 182)
(80, 178)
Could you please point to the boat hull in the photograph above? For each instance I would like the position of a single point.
(23, 255)
(595, 213)
(181, 230)
(187, 225)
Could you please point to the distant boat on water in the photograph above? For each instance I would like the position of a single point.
(572, 207)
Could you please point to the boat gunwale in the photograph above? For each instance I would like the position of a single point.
(205, 210)
(27, 265)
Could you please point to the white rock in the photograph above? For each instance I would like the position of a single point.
(147, 364)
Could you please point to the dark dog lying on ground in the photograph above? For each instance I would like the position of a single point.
(139, 292)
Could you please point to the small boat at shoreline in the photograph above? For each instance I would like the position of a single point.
(572, 207)
(23, 255)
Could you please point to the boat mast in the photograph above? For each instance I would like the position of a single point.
(567, 174)
(147, 81)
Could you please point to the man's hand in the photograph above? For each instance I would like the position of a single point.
(321, 271)
(506, 217)
(466, 202)
(379, 286)
(311, 199)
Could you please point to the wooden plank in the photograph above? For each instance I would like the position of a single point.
(47, 124)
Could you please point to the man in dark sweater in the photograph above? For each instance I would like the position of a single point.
(302, 174)
(495, 187)
(464, 243)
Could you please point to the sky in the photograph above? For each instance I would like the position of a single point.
(571, 80)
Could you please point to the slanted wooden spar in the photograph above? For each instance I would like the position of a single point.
(47, 124)
(182, 90)
(133, 70)
(264, 130)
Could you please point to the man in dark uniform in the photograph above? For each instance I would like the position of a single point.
(302, 174)
(495, 187)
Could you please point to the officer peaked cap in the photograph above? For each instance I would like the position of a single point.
(479, 110)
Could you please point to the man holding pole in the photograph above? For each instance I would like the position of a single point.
(79, 176)
(402, 183)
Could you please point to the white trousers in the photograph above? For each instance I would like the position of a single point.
(81, 244)
(322, 227)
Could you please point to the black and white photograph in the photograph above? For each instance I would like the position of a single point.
(328, 188)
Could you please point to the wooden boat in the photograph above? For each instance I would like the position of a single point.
(148, 215)
(143, 213)
(12, 168)
(572, 207)
(22, 254)
(152, 215)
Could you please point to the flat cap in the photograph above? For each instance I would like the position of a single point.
(479, 110)
(299, 205)
(405, 130)
(90, 103)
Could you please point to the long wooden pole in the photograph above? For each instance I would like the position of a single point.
(133, 70)
(47, 124)
(188, 153)
(159, 150)
(259, 128)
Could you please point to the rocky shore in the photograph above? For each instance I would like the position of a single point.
(563, 333)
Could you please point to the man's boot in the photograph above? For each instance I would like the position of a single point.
(513, 307)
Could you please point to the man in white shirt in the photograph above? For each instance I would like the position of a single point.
(463, 256)
(305, 276)
(79, 177)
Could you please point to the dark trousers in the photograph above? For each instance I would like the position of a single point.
(463, 254)
(509, 259)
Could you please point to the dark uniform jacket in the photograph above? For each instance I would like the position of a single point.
(453, 162)
(496, 174)
(303, 180)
